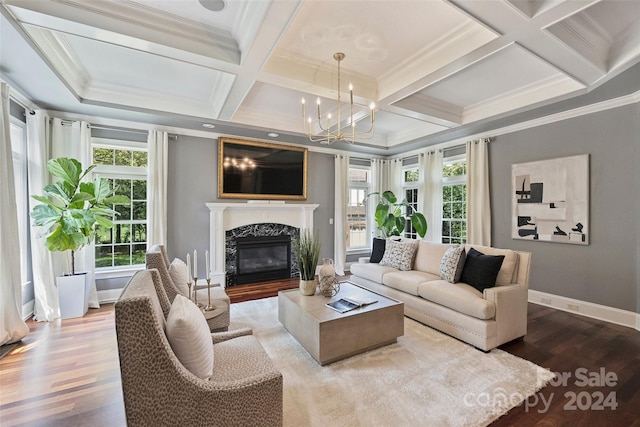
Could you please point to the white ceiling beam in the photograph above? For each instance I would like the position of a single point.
(532, 33)
(276, 21)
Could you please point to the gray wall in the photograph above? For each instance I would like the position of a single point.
(606, 271)
(192, 182)
(636, 196)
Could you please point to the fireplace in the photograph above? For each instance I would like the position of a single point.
(230, 221)
(260, 258)
(267, 248)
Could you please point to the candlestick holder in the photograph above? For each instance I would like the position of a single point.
(195, 292)
(189, 284)
(209, 307)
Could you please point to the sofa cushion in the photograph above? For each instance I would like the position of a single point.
(428, 256)
(459, 297)
(407, 281)
(373, 272)
(378, 250)
(399, 254)
(480, 270)
(180, 275)
(189, 337)
(452, 264)
(508, 270)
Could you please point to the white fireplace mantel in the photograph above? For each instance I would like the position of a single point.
(227, 216)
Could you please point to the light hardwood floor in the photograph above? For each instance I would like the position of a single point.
(66, 373)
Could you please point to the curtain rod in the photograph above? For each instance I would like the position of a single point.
(116, 130)
(90, 126)
(453, 147)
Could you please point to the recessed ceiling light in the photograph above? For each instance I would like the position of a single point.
(213, 5)
(273, 135)
(208, 125)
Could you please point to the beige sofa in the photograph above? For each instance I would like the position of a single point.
(483, 319)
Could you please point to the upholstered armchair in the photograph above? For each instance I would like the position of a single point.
(244, 389)
(218, 318)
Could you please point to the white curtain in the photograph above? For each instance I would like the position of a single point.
(73, 139)
(45, 265)
(394, 181)
(379, 175)
(158, 146)
(379, 183)
(430, 198)
(478, 197)
(340, 214)
(12, 327)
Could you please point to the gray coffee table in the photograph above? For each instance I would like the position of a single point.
(328, 335)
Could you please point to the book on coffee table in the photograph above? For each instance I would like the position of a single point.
(345, 304)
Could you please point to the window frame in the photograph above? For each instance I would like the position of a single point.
(451, 182)
(409, 232)
(366, 186)
(22, 194)
(114, 172)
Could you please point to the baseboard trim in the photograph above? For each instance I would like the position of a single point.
(27, 309)
(109, 295)
(585, 308)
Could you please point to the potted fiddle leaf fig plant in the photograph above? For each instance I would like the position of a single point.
(306, 248)
(69, 215)
(391, 218)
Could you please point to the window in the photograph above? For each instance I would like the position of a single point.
(124, 164)
(359, 181)
(454, 200)
(18, 137)
(410, 182)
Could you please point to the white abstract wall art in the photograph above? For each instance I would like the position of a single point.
(550, 200)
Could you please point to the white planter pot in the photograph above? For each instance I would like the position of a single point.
(73, 294)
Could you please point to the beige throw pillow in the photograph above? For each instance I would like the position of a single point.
(180, 275)
(190, 338)
(399, 254)
(452, 263)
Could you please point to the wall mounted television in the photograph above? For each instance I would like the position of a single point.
(261, 170)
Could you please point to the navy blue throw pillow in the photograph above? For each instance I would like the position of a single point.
(378, 250)
(480, 270)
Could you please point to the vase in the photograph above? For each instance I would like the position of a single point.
(307, 287)
(326, 269)
(327, 278)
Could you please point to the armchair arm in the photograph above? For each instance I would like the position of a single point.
(218, 337)
(511, 310)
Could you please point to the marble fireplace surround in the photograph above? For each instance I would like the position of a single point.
(227, 216)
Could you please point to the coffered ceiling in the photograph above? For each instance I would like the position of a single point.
(429, 65)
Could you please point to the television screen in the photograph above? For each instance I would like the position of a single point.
(259, 170)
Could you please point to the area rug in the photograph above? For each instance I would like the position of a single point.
(426, 378)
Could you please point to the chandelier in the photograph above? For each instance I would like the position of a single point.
(339, 132)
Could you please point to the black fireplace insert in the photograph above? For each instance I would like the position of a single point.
(261, 258)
